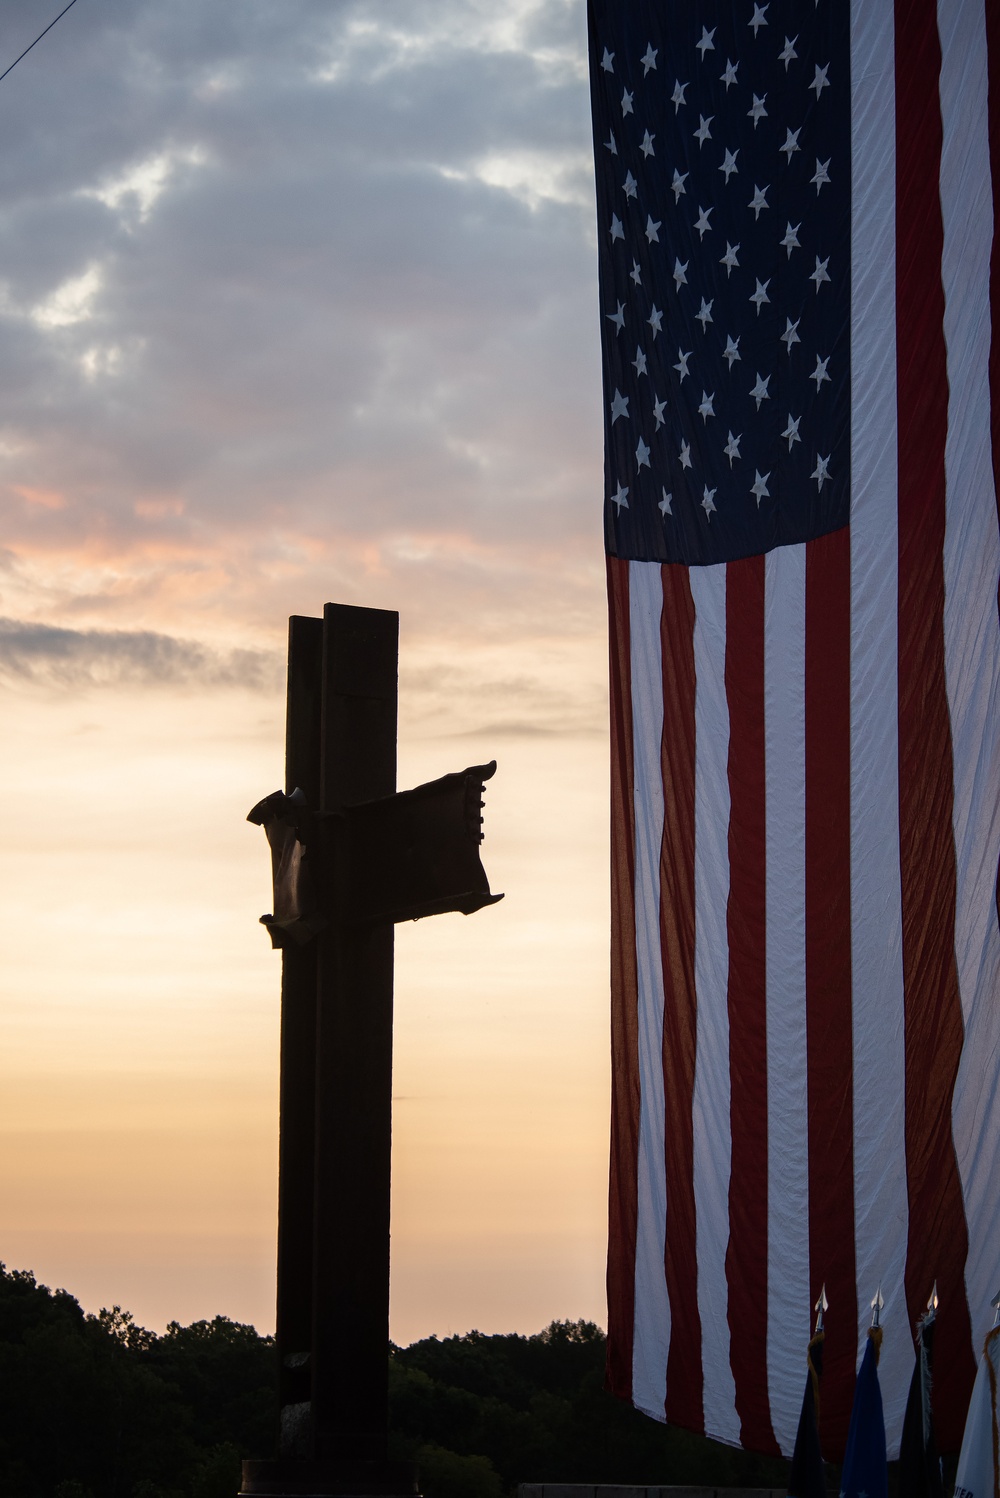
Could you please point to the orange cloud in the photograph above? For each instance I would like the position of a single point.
(46, 499)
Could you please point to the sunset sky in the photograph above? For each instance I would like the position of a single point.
(297, 303)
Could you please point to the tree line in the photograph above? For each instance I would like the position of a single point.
(95, 1406)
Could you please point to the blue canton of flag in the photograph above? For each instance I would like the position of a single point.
(722, 142)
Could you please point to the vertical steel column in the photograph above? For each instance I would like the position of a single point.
(353, 1062)
(296, 1149)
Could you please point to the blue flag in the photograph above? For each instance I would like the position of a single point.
(865, 1473)
(807, 1478)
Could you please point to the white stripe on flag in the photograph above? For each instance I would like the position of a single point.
(880, 1200)
(972, 639)
(651, 1335)
(788, 1299)
(712, 1142)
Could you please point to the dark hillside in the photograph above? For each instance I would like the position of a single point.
(533, 1409)
(97, 1407)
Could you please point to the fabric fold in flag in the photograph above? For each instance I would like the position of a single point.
(797, 276)
(977, 1475)
(865, 1472)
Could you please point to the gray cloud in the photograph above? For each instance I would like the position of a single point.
(45, 655)
(298, 301)
(468, 701)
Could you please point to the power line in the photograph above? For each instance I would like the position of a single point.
(36, 41)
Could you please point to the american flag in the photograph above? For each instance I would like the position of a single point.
(795, 231)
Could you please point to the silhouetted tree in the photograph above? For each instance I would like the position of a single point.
(99, 1407)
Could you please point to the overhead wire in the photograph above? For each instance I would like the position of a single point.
(37, 40)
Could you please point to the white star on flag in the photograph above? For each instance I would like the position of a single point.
(759, 391)
(820, 274)
(822, 470)
(791, 431)
(757, 20)
(788, 54)
(760, 296)
(790, 336)
(819, 374)
(791, 142)
(821, 81)
(759, 200)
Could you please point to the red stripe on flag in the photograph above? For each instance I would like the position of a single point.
(680, 1010)
(829, 1029)
(624, 999)
(937, 1243)
(746, 921)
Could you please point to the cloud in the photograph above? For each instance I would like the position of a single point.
(45, 655)
(70, 303)
(476, 698)
(137, 188)
(315, 315)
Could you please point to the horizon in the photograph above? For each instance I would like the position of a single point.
(54, 1290)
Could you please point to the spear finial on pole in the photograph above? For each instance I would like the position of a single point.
(821, 1305)
(995, 1303)
(877, 1302)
